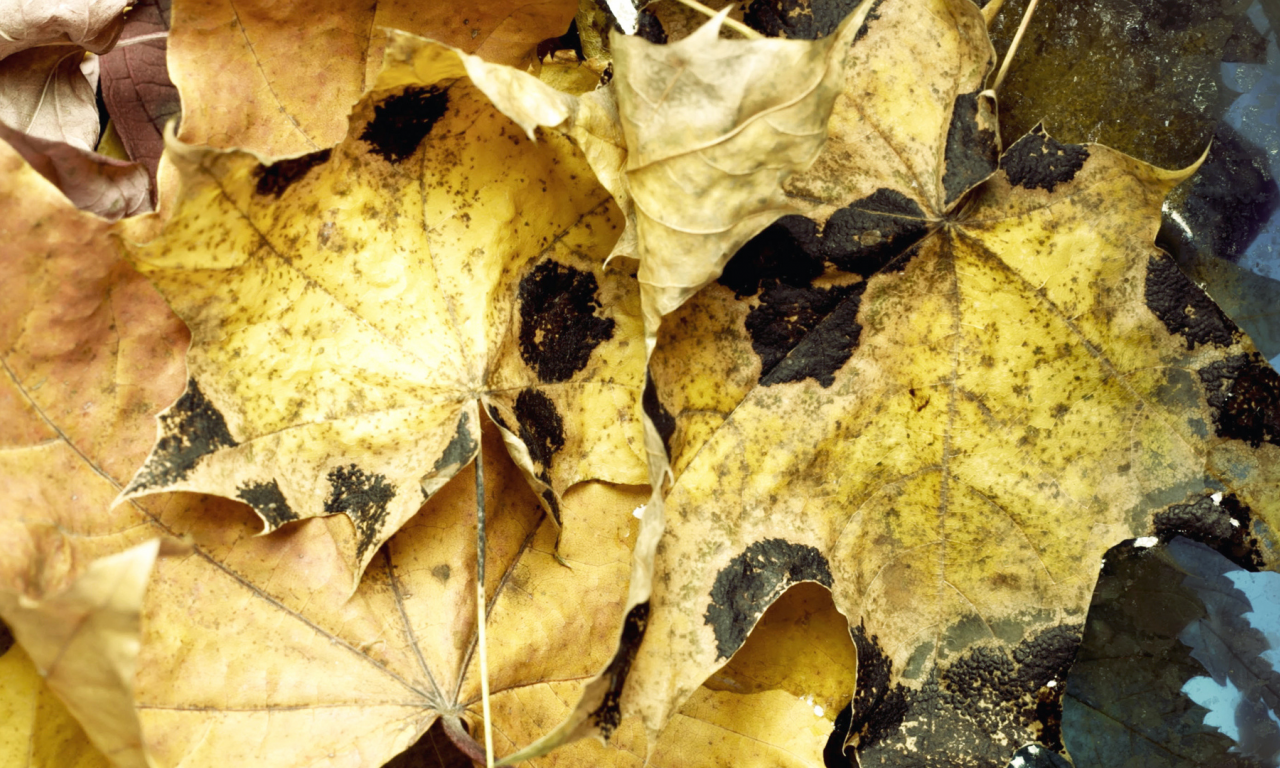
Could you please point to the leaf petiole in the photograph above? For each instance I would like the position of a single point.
(1013, 46)
(481, 611)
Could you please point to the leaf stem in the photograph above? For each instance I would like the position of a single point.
(733, 24)
(1013, 46)
(481, 617)
(461, 739)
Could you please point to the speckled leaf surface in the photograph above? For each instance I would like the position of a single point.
(353, 310)
(266, 76)
(945, 405)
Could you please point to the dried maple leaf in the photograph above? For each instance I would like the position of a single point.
(95, 183)
(265, 77)
(92, 25)
(943, 405)
(351, 309)
(48, 93)
(84, 642)
(36, 730)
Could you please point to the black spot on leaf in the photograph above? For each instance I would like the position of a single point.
(871, 234)
(190, 430)
(6, 638)
(541, 428)
(461, 448)
(558, 325)
(662, 420)
(802, 333)
(363, 498)
(973, 710)
(877, 709)
(1250, 411)
(1225, 525)
(788, 251)
(798, 19)
(442, 572)
(549, 496)
(1038, 161)
(972, 151)
(496, 415)
(274, 179)
(752, 581)
(267, 500)
(833, 754)
(872, 15)
(607, 716)
(402, 121)
(1183, 307)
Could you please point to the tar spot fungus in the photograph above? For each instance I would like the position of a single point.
(442, 572)
(662, 419)
(1219, 521)
(191, 429)
(1040, 161)
(787, 251)
(972, 151)
(805, 333)
(363, 498)
(874, 233)
(461, 448)
(559, 328)
(267, 500)
(274, 179)
(1183, 307)
(541, 428)
(1244, 392)
(752, 581)
(877, 709)
(649, 27)
(607, 716)
(402, 121)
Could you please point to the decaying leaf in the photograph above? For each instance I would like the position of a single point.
(84, 641)
(351, 310)
(48, 93)
(266, 78)
(95, 183)
(36, 730)
(943, 405)
(92, 25)
(136, 88)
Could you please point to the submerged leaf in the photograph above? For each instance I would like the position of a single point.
(357, 313)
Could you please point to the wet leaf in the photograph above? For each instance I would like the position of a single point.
(277, 80)
(357, 313)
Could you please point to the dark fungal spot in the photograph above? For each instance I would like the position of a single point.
(559, 328)
(267, 500)
(798, 19)
(1244, 392)
(872, 15)
(973, 710)
(1183, 307)
(752, 581)
(461, 448)
(191, 429)
(442, 572)
(541, 428)
(274, 179)
(662, 419)
(649, 27)
(787, 251)
(496, 415)
(402, 121)
(803, 333)
(363, 498)
(972, 150)
(1225, 525)
(1038, 161)
(6, 638)
(877, 709)
(607, 716)
(871, 234)
(549, 496)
